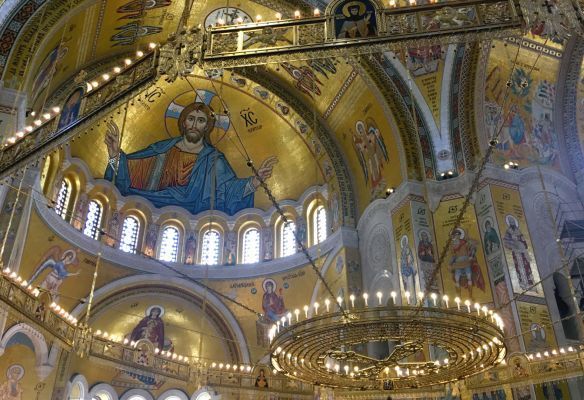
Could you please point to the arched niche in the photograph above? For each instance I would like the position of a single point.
(121, 305)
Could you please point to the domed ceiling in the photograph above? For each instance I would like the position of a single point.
(249, 122)
(359, 125)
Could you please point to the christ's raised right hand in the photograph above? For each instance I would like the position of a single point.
(112, 139)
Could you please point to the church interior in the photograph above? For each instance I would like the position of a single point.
(291, 199)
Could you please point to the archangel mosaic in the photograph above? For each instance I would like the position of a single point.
(291, 200)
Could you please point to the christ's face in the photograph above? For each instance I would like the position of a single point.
(270, 288)
(354, 10)
(195, 126)
(424, 237)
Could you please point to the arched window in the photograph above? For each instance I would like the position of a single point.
(287, 241)
(130, 232)
(319, 224)
(93, 219)
(63, 199)
(251, 246)
(210, 247)
(169, 244)
(77, 392)
(102, 395)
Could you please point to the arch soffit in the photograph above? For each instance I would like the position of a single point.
(81, 381)
(123, 287)
(175, 394)
(566, 114)
(103, 387)
(41, 349)
(136, 392)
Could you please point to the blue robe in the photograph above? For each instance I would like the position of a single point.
(232, 194)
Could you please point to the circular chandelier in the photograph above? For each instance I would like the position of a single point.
(432, 343)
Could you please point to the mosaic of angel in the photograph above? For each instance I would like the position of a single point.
(57, 264)
(371, 151)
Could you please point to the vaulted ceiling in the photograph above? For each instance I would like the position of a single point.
(433, 106)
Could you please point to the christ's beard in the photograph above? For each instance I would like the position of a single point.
(193, 136)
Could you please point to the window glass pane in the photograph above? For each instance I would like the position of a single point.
(101, 395)
(76, 392)
(251, 246)
(169, 244)
(319, 224)
(129, 238)
(288, 241)
(210, 248)
(93, 219)
(63, 198)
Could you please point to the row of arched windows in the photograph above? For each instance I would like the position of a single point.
(170, 238)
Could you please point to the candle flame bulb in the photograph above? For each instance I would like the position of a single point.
(327, 303)
(316, 305)
(365, 297)
(305, 311)
(407, 294)
(278, 16)
(297, 313)
(379, 296)
(339, 300)
(352, 298)
(433, 296)
(467, 304)
(289, 316)
(346, 368)
(477, 307)
(421, 297)
(393, 294)
(316, 12)
(296, 14)
(445, 299)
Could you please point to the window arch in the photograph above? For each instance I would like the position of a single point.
(93, 219)
(77, 388)
(130, 233)
(137, 394)
(287, 239)
(173, 394)
(64, 198)
(210, 247)
(169, 244)
(250, 252)
(103, 391)
(319, 224)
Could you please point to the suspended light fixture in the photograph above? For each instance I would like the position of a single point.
(322, 348)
